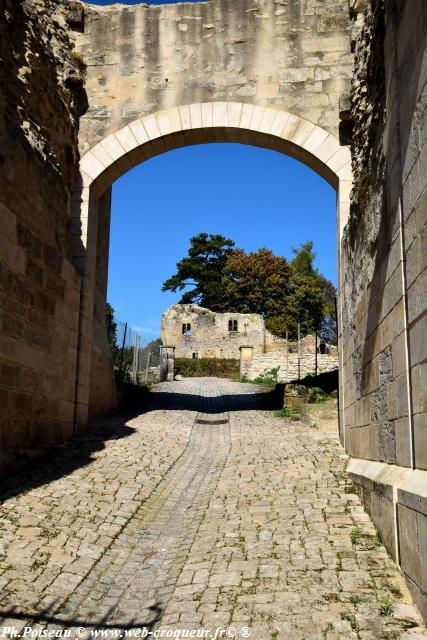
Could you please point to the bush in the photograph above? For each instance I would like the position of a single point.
(327, 381)
(268, 377)
(311, 395)
(207, 367)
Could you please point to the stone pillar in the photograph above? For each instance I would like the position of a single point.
(167, 363)
(246, 354)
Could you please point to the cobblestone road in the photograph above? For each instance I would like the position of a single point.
(203, 512)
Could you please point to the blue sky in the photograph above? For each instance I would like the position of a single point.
(254, 196)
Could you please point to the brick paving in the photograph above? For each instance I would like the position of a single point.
(206, 511)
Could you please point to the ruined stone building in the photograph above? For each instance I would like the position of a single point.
(88, 92)
(196, 332)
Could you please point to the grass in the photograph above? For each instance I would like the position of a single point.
(287, 412)
(268, 377)
(78, 61)
(355, 534)
(339, 562)
(385, 605)
(350, 489)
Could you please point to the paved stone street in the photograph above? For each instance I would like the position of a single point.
(204, 511)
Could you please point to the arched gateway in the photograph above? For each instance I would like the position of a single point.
(159, 77)
(148, 136)
(149, 78)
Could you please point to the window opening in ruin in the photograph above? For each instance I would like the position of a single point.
(195, 355)
(232, 325)
(186, 329)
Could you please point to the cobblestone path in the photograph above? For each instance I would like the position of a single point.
(134, 580)
(205, 512)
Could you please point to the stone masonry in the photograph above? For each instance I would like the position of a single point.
(192, 329)
(41, 99)
(264, 72)
(205, 511)
(384, 279)
(195, 332)
(287, 365)
(160, 77)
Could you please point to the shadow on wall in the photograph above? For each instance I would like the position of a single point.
(380, 210)
(61, 460)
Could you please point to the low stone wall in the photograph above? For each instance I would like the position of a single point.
(288, 365)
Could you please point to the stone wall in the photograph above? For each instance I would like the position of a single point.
(384, 279)
(141, 59)
(161, 77)
(40, 100)
(288, 365)
(210, 335)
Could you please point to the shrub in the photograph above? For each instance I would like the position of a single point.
(288, 412)
(207, 367)
(268, 377)
(78, 61)
(310, 395)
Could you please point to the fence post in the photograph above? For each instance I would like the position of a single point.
(315, 358)
(287, 357)
(148, 366)
(123, 347)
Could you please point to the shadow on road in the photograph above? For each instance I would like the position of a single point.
(60, 621)
(60, 460)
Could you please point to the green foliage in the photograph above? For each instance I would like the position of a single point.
(304, 259)
(310, 395)
(386, 605)
(355, 534)
(257, 282)
(122, 375)
(201, 367)
(203, 269)
(327, 381)
(224, 278)
(268, 377)
(288, 412)
(78, 61)
(366, 540)
(111, 325)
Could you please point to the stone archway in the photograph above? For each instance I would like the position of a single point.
(149, 136)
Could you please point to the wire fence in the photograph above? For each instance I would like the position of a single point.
(135, 359)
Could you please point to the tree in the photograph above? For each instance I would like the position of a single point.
(307, 303)
(204, 270)
(112, 332)
(258, 282)
(313, 295)
(303, 262)
(229, 279)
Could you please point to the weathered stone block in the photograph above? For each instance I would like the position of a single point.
(420, 440)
